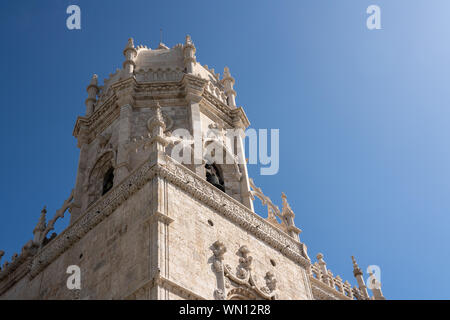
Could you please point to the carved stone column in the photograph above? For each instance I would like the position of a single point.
(245, 183)
(92, 90)
(159, 220)
(357, 272)
(158, 226)
(194, 90)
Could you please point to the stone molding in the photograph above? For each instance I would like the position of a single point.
(188, 88)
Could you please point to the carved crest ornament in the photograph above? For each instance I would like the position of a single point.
(241, 284)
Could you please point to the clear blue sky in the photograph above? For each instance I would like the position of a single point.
(364, 116)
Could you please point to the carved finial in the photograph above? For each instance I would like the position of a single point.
(286, 211)
(40, 227)
(357, 272)
(320, 258)
(189, 55)
(356, 269)
(188, 40)
(156, 125)
(226, 72)
(158, 113)
(130, 44)
(130, 53)
(228, 83)
(92, 90)
(94, 79)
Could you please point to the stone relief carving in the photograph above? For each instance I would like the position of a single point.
(168, 121)
(245, 262)
(243, 284)
(143, 142)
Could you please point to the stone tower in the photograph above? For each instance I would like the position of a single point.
(154, 214)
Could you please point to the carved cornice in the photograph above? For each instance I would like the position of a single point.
(213, 112)
(171, 92)
(234, 210)
(240, 118)
(219, 105)
(193, 87)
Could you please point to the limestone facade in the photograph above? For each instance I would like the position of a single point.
(145, 226)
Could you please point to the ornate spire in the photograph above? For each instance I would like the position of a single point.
(157, 120)
(288, 216)
(323, 268)
(156, 125)
(41, 225)
(92, 90)
(228, 83)
(130, 45)
(189, 55)
(130, 53)
(356, 269)
(287, 211)
(357, 272)
(188, 41)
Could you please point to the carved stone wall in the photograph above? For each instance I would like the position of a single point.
(192, 237)
(113, 258)
(112, 243)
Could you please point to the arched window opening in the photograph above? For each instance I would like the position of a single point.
(214, 177)
(108, 180)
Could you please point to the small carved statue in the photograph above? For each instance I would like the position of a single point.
(245, 262)
(219, 250)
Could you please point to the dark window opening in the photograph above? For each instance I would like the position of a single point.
(108, 181)
(213, 176)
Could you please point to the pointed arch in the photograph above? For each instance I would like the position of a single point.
(101, 177)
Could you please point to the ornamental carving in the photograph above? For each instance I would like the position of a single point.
(242, 284)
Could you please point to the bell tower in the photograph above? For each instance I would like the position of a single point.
(115, 134)
(162, 206)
